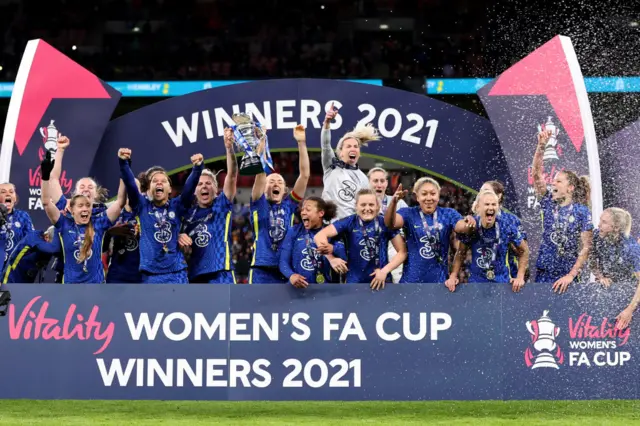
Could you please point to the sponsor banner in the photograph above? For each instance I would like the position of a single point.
(144, 89)
(544, 90)
(52, 95)
(416, 131)
(274, 342)
(469, 86)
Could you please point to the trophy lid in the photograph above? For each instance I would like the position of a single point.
(241, 118)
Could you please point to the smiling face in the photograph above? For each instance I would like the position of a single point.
(206, 190)
(561, 188)
(428, 196)
(88, 188)
(81, 209)
(159, 188)
(275, 188)
(8, 196)
(350, 151)
(310, 214)
(378, 182)
(367, 207)
(488, 208)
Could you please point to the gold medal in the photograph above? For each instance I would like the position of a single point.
(165, 248)
(491, 275)
(320, 278)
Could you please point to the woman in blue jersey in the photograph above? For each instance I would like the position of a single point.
(124, 248)
(85, 186)
(272, 214)
(489, 244)
(82, 234)
(468, 224)
(30, 257)
(17, 222)
(366, 238)
(300, 261)
(615, 257)
(428, 230)
(379, 181)
(566, 221)
(208, 225)
(161, 262)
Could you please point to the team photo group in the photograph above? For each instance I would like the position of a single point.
(145, 236)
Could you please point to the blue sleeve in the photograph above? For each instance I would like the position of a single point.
(515, 235)
(61, 204)
(518, 224)
(135, 198)
(188, 192)
(405, 212)
(634, 253)
(454, 217)
(586, 223)
(102, 222)
(26, 221)
(261, 205)
(286, 250)
(344, 224)
(50, 248)
(339, 250)
(60, 224)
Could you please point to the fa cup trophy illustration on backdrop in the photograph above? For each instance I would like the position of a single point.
(251, 139)
(551, 148)
(543, 335)
(50, 137)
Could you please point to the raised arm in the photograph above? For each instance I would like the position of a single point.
(46, 166)
(259, 183)
(325, 139)
(55, 189)
(624, 318)
(538, 170)
(113, 212)
(393, 220)
(231, 180)
(300, 186)
(133, 194)
(189, 190)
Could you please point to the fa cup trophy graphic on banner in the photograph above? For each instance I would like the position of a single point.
(50, 137)
(550, 150)
(252, 140)
(543, 335)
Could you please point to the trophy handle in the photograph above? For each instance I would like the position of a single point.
(530, 328)
(42, 132)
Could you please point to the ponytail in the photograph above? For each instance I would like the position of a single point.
(85, 250)
(582, 188)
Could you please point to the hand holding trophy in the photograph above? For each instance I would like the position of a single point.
(251, 138)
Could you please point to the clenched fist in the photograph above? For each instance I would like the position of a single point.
(63, 142)
(197, 159)
(124, 154)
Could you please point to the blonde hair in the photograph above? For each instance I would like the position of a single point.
(366, 191)
(474, 206)
(423, 181)
(376, 170)
(362, 134)
(621, 220)
(101, 193)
